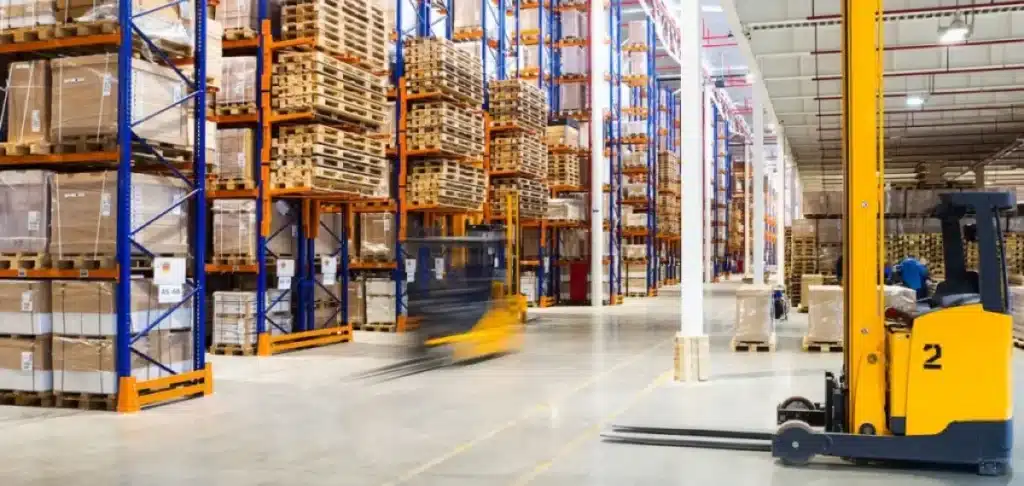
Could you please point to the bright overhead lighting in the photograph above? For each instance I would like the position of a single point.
(915, 101)
(956, 32)
(711, 8)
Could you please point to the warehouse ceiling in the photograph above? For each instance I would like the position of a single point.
(950, 104)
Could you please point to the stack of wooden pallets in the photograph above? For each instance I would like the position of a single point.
(335, 92)
(518, 103)
(446, 183)
(564, 169)
(668, 171)
(519, 153)
(668, 214)
(446, 127)
(435, 65)
(326, 159)
(533, 196)
(350, 30)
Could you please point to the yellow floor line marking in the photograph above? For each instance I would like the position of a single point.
(591, 432)
(529, 413)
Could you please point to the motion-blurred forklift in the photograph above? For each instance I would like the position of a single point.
(929, 387)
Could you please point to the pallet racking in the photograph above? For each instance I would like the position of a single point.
(124, 37)
(722, 261)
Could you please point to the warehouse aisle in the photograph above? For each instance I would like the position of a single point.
(529, 418)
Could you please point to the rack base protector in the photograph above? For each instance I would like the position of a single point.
(697, 438)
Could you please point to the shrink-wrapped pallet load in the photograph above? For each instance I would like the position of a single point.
(84, 100)
(25, 327)
(234, 316)
(234, 229)
(88, 308)
(235, 154)
(83, 214)
(89, 364)
(376, 237)
(25, 363)
(24, 211)
(380, 301)
(754, 319)
(356, 303)
(825, 313)
(25, 307)
(806, 281)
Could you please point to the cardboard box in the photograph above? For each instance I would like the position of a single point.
(24, 211)
(89, 364)
(25, 363)
(84, 99)
(376, 236)
(825, 313)
(324, 317)
(235, 148)
(380, 300)
(807, 280)
(562, 135)
(84, 214)
(234, 227)
(87, 308)
(25, 307)
(234, 316)
(754, 320)
(28, 102)
(356, 302)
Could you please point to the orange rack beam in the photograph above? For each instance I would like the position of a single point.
(222, 268)
(58, 159)
(63, 274)
(372, 265)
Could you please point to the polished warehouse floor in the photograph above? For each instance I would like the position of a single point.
(530, 418)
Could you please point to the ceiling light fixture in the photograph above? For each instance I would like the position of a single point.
(956, 32)
(711, 8)
(915, 100)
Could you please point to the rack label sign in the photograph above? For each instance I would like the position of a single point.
(330, 279)
(286, 268)
(284, 283)
(439, 268)
(169, 271)
(410, 270)
(170, 294)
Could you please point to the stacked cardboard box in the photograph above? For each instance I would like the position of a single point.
(239, 18)
(234, 317)
(238, 79)
(668, 215)
(234, 166)
(29, 14)
(564, 169)
(533, 196)
(83, 213)
(562, 209)
(24, 213)
(563, 135)
(356, 303)
(636, 277)
(84, 102)
(84, 326)
(28, 107)
(380, 303)
(446, 184)
(754, 319)
(25, 336)
(326, 159)
(668, 172)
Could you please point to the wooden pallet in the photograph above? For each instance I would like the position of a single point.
(379, 327)
(242, 108)
(232, 184)
(324, 39)
(27, 34)
(322, 134)
(752, 346)
(821, 346)
(332, 109)
(239, 33)
(101, 262)
(24, 148)
(23, 398)
(24, 261)
(233, 259)
(86, 401)
(233, 349)
(304, 179)
(444, 143)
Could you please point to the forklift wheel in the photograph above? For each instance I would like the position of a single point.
(794, 444)
(797, 403)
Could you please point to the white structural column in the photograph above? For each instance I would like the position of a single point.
(780, 211)
(691, 350)
(758, 188)
(600, 63)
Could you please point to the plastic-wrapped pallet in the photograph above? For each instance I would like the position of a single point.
(235, 147)
(234, 228)
(573, 24)
(237, 76)
(24, 211)
(234, 316)
(25, 327)
(89, 364)
(754, 320)
(528, 286)
(356, 303)
(574, 62)
(466, 16)
(87, 308)
(28, 105)
(25, 308)
(25, 363)
(825, 313)
(807, 280)
(377, 240)
(380, 301)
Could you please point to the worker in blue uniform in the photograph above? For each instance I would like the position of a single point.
(914, 274)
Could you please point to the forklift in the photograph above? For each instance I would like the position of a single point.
(930, 387)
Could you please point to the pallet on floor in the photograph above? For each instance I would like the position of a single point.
(86, 401)
(812, 346)
(233, 349)
(24, 398)
(753, 346)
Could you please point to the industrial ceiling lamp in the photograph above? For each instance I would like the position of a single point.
(956, 32)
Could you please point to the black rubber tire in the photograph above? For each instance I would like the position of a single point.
(789, 443)
(797, 403)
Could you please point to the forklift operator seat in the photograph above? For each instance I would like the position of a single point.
(988, 284)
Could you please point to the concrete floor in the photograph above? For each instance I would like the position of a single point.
(530, 418)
